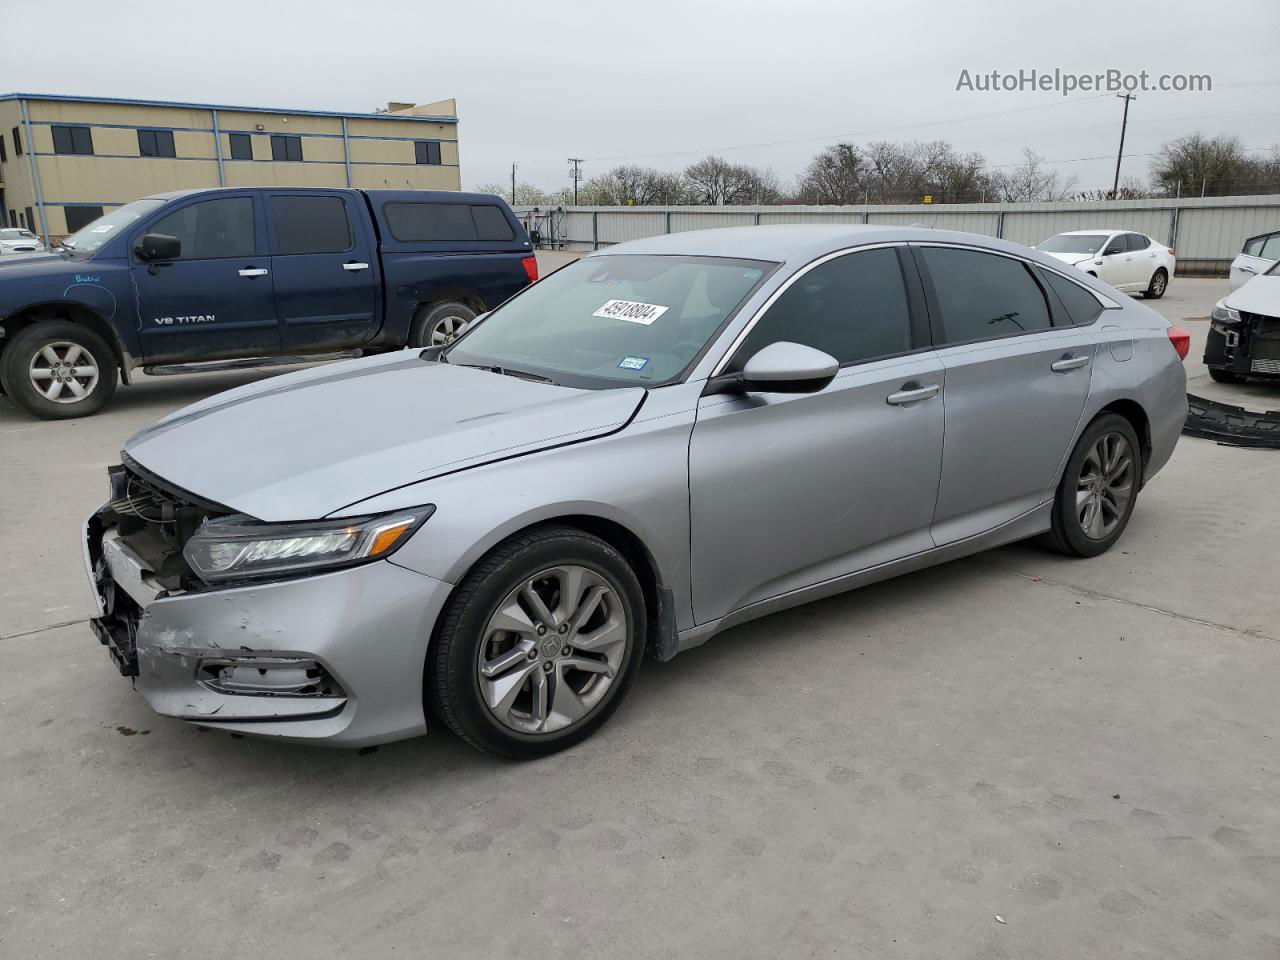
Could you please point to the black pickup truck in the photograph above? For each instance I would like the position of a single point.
(217, 279)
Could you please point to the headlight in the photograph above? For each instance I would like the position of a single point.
(240, 548)
(1224, 314)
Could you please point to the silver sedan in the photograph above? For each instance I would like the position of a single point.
(658, 442)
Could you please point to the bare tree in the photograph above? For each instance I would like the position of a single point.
(1213, 166)
(716, 182)
(1029, 180)
(834, 176)
(628, 185)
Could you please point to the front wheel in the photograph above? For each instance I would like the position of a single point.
(1099, 488)
(439, 324)
(538, 644)
(1158, 285)
(58, 370)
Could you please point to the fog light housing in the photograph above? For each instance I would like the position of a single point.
(268, 677)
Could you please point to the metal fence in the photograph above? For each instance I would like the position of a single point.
(1207, 233)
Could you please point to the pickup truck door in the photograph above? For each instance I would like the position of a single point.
(215, 300)
(325, 270)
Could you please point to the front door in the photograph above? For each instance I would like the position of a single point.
(326, 272)
(787, 491)
(1015, 388)
(214, 301)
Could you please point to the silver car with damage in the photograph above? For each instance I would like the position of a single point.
(655, 443)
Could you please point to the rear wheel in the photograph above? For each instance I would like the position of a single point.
(1159, 283)
(538, 644)
(58, 370)
(1224, 376)
(439, 324)
(1099, 489)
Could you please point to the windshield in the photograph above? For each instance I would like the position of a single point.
(1074, 243)
(611, 320)
(95, 234)
(16, 233)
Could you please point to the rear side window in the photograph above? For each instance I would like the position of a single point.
(853, 308)
(983, 295)
(310, 225)
(443, 222)
(1138, 242)
(1081, 305)
(1271, 249)
(211, 229)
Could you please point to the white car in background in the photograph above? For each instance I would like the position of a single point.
(1129, 261)
(19, 240)
(1257, 256)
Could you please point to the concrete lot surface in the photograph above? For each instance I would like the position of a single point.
(1085, 749)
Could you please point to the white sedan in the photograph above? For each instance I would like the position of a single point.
(1129, 261)
(1256, 258)
(19, 240)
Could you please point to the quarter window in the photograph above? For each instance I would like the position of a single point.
(491, 223)
(310, 225)
(853, 308)
(241, 146)
(983, 295)
(286, 147)
(73, 140)
(427, 151)
(156, 143)
(78, 217)
(1081, 305)
(211, 229)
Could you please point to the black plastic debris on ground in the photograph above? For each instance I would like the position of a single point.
(1234, 426)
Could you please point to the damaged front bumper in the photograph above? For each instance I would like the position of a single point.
(335, 658)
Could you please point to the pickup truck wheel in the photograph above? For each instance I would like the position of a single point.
(58, 370)
(439, 324)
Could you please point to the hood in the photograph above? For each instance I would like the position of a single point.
(1259, 295)
(42, 264)
(301, 446)
(1071, 258)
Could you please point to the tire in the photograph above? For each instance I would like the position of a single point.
(1224, 376)
(1068, 533)
(439, 324)
(484, 681)
(1158, 285)
(27, 365)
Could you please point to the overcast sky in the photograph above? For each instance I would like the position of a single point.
(662, 82)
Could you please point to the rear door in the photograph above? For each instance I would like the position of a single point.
(215, 300)
(1015, 387)
(325, 270)
(1258, 255)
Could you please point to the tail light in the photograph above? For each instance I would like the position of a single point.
(1170, 249)
(1181, 341)
(530, 265)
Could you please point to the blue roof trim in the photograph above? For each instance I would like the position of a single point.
(68, 98)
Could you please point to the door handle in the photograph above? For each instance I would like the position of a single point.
(911, 393)
(253, 271)
(1247, 270)
(353, 266)
(1068, 363)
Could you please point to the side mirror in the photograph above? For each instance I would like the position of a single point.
(785, 367)
(157, 246)
(1111, 251)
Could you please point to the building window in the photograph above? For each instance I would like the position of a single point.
(241, 146)
(156, 143)
(72, 140)
(427, 151)
(286, 147)
(17, 143)
(3, 156)
(31, 219)
(80, 217)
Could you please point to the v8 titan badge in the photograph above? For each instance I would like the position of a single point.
(631, 311)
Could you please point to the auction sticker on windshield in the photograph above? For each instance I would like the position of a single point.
(631, 310)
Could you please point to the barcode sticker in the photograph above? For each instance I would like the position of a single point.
(631, 311)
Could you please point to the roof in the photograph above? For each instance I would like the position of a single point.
(799, 243)
(1100, 232)
(70, 98)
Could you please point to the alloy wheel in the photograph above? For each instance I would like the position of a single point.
(63, 372)
(1157, 284)
(448, 329)
(552, 650)
(1105, 486)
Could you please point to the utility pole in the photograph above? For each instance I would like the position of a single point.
(1126, 97)
(513, 184)
(575, 171)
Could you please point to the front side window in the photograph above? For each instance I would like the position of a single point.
(607, 321)
(1115, 245)
(93, 235)
(241, 146)
(853, 307)
(984, 295)
(156, 143)
(286, 147)
(73, 140)
(427, 151)
(211, 229)
(310, 225)
(1082, 243)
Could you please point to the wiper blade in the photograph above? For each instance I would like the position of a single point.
(505, 371)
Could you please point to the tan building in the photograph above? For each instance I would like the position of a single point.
(64, 160)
